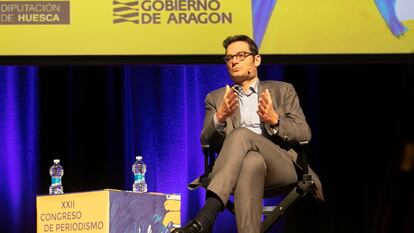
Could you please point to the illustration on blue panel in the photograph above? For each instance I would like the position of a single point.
(141, 212)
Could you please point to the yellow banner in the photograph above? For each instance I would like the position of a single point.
(188, 27)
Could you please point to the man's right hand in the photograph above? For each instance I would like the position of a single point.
(228, 106)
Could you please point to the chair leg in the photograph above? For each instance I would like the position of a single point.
(298, 191)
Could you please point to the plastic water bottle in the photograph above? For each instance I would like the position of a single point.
(56, 172)
(139, 168)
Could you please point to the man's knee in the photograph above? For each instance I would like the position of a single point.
(253, 163)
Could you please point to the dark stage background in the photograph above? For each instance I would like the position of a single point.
(95, 119)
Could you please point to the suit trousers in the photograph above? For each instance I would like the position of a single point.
(246, 164)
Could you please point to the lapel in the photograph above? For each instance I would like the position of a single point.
(235, 118)
(261, 88)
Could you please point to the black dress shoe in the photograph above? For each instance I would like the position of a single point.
(192, 227)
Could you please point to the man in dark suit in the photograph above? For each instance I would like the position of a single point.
(253, 124)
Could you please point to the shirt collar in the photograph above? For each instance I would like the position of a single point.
(252, 88)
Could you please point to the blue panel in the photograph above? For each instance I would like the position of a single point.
(262, 11)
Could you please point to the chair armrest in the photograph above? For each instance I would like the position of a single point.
(303, 155)
(302, 159)
(206, 153)
(209, 159)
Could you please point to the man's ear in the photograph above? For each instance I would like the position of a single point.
(257, 60)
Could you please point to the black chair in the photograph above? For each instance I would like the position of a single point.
(295, 191)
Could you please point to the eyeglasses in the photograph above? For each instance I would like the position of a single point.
(239, 57)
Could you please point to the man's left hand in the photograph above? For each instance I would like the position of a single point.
(266, 112)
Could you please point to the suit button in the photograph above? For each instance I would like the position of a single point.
(285, 137)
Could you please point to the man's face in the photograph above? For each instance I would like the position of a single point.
(241, 68)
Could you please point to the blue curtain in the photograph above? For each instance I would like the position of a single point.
(98, 118)
(19, 132)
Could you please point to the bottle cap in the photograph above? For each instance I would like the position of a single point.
(56, 160)
(138, 157)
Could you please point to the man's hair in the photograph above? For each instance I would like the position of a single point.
(252, 45)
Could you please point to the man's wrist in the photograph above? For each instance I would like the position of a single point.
(220, 118)
(276, 124)
(275, 128)
(218, 125)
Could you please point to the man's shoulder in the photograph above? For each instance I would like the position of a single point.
(275, 84)
(218, 92)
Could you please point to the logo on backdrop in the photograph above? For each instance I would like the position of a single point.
(170, 12)
(34, 12)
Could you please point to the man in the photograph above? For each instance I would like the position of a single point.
(253, 124)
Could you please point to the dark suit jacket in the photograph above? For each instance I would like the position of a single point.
(292, 123)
